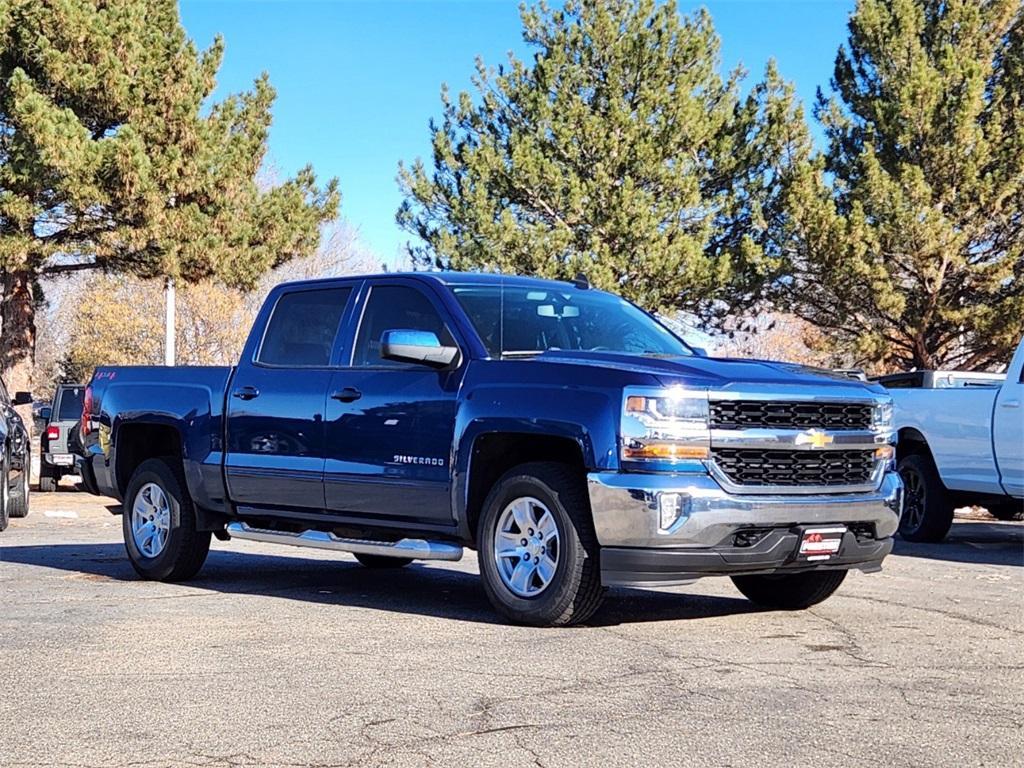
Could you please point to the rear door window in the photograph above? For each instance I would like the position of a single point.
(69, 405)
(303, 327)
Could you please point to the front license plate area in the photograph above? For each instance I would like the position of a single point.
(818, 544)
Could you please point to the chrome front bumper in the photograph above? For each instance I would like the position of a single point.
(698, 537)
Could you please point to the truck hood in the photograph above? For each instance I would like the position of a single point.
(712, 372)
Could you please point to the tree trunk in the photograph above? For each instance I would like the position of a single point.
(18, 335)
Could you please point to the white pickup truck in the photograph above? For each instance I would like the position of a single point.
(959, 443)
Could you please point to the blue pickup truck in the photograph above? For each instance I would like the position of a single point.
(568, 437)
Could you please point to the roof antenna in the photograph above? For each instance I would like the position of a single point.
(581, 281)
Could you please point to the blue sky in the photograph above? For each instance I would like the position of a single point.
(357, 81)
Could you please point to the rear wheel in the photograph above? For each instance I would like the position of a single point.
(159, 523)
(18, 503)
(382, 562)
(539, 556)
(47, 481)
(927, 509)
(790, 592)
(1012, 509)
(5, 490)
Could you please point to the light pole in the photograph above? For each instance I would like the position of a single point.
(169, 322)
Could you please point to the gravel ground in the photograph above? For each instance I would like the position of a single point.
(283, 657)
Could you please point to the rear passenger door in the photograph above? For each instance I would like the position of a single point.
(275, 404)
(390, 425)
(1008, 427)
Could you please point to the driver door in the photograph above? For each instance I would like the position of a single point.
(390, 425)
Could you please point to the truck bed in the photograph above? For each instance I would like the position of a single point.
(122, 396)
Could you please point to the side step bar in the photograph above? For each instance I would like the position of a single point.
(417, 549)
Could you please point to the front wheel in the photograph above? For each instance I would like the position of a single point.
(927, 509)
(539, 556)
(790, 592)
(159, 523)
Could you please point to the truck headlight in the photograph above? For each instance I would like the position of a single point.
(881, 415)
(667, 426)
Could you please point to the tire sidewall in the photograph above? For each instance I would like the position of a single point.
(18, 505)
(907, 467)
(159, 567)
(5, 491)
(559, 594)
(937, 510)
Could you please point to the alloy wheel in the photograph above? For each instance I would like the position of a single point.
(151, 520)
(526, 547)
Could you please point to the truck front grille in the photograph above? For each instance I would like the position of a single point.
(744, 414)
(761, 467)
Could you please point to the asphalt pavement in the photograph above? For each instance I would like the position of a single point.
(282, 657)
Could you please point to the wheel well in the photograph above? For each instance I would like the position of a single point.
(911, 442)
(496, 453)
(138, 442)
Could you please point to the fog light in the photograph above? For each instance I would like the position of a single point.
(671, 507)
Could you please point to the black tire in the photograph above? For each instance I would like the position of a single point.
(927, 507)
(88, 483)
(574, 591)
(17, 505)
(185, 549)
(381, 561)
(5, 489)
(1011, 509)
(47, 482)
(790, 592)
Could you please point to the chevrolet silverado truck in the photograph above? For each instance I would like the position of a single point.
(567, 436)
(961, 441)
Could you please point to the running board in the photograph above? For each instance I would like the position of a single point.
(416, 549)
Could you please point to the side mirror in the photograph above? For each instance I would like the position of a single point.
(22, 398)
(44, 413)
(407, 346)
(699, 351)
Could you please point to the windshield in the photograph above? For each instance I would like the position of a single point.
(70, 406)
(521, 320)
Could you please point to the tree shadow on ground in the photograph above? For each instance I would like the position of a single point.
(420, 589)
(972, 541)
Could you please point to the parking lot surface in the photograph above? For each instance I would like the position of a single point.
(281, 657)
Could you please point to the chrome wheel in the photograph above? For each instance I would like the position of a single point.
(526, 547)
(151, 520)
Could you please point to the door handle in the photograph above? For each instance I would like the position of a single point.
(347, 395)
(1011, 404)
(246, 393)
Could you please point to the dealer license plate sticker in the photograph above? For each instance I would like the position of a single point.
(821, 543)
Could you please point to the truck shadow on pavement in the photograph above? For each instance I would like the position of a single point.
(972, 542)
(419, 589)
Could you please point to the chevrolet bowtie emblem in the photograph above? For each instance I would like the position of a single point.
(814, 438)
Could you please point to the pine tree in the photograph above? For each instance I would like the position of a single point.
(905, 243)
(619, 151)
(111, 158)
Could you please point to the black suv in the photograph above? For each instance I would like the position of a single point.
(15, 457)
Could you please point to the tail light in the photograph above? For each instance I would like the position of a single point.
(86, 412)
(52, 432)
